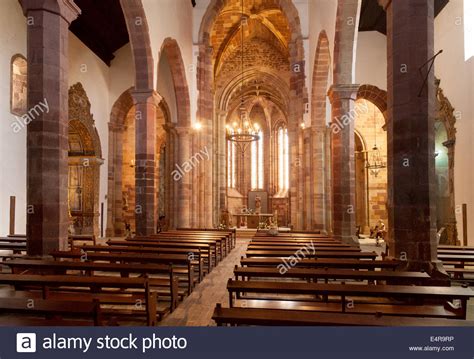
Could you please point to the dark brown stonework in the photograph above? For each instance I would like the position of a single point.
(145, 152)
(411, 110)
(47, 136)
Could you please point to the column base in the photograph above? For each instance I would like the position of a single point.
(435, 269)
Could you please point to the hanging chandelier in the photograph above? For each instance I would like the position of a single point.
(241, 130)
(375, 161)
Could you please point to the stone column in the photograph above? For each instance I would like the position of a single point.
(411, 109)
(221, 167)
(184, 187)
(145, 151)
(343, 172)
(47, 132)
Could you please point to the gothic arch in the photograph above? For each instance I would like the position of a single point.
(322, 63)
(18, 83)
(138, 32)
(171, 49)
(375, 95)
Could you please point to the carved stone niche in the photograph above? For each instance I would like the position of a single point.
(85, 158)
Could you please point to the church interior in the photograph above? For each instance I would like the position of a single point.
(236, 162)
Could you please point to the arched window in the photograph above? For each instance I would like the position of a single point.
(283, 160)
(18, 85)
(231, 161)
(256, 156)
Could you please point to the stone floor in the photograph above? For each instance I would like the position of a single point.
(197, 309)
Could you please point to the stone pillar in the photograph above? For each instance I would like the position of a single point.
(221, 167)
(145, 152)
(184, 187)
(343, 172)
(411, 109)
(47, 131)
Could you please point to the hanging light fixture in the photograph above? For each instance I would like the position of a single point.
(375, 162)
(241, 130)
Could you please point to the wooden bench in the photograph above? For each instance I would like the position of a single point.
(343, 291)
(198, 250)
(324, 263)
(299, 244)
(275, 317)
(81, 238)
(309, 254)
(52, 309)
(187, 243)
(168, 259)
(457, 248)
(46, 267)
(54, 286)
(326, 274)
(17, 248)
(219, 241)
(13, 239)
(458, 259)
(323, 248)
(231, 233)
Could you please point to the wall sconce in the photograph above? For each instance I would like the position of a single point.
(197, 126)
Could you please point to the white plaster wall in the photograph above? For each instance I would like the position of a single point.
(122, 74)
(12, 146)
(171, 18)
(457, 81)
(371, 64)
(85, 67)
(165, 86)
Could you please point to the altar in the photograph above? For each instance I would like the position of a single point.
(252, 220)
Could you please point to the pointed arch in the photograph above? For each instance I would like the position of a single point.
(139, 34)
(170, 48)
(322, 63)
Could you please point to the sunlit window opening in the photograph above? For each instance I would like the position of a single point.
(283, 160)
(257, 162)
(468, 29)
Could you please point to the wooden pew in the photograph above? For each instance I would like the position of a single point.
(204, 250)
(47, 267)
(457, 248)
(319, 248)
(219, 241)
(299, 244)
(17, 248)
(324, 263)
(458, 259)
(343, 291)
(187, 243)
(168, 259)
(232, 233)
(309, 254)
(81, 238)
(50, 309)
(326, 273)
(13, 239)
(53, 286)
(193, 255)
(275, 317)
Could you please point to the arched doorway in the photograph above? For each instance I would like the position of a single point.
(84, 160)
(371, 184)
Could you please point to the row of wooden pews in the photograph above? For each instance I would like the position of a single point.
(131, 281)
(311, 279)
(458, 262)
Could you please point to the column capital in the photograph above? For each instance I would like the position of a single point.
(145, 96)
(343, 91)
(183, 130)
(67, 9)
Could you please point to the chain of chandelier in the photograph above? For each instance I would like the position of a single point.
(242, 129)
